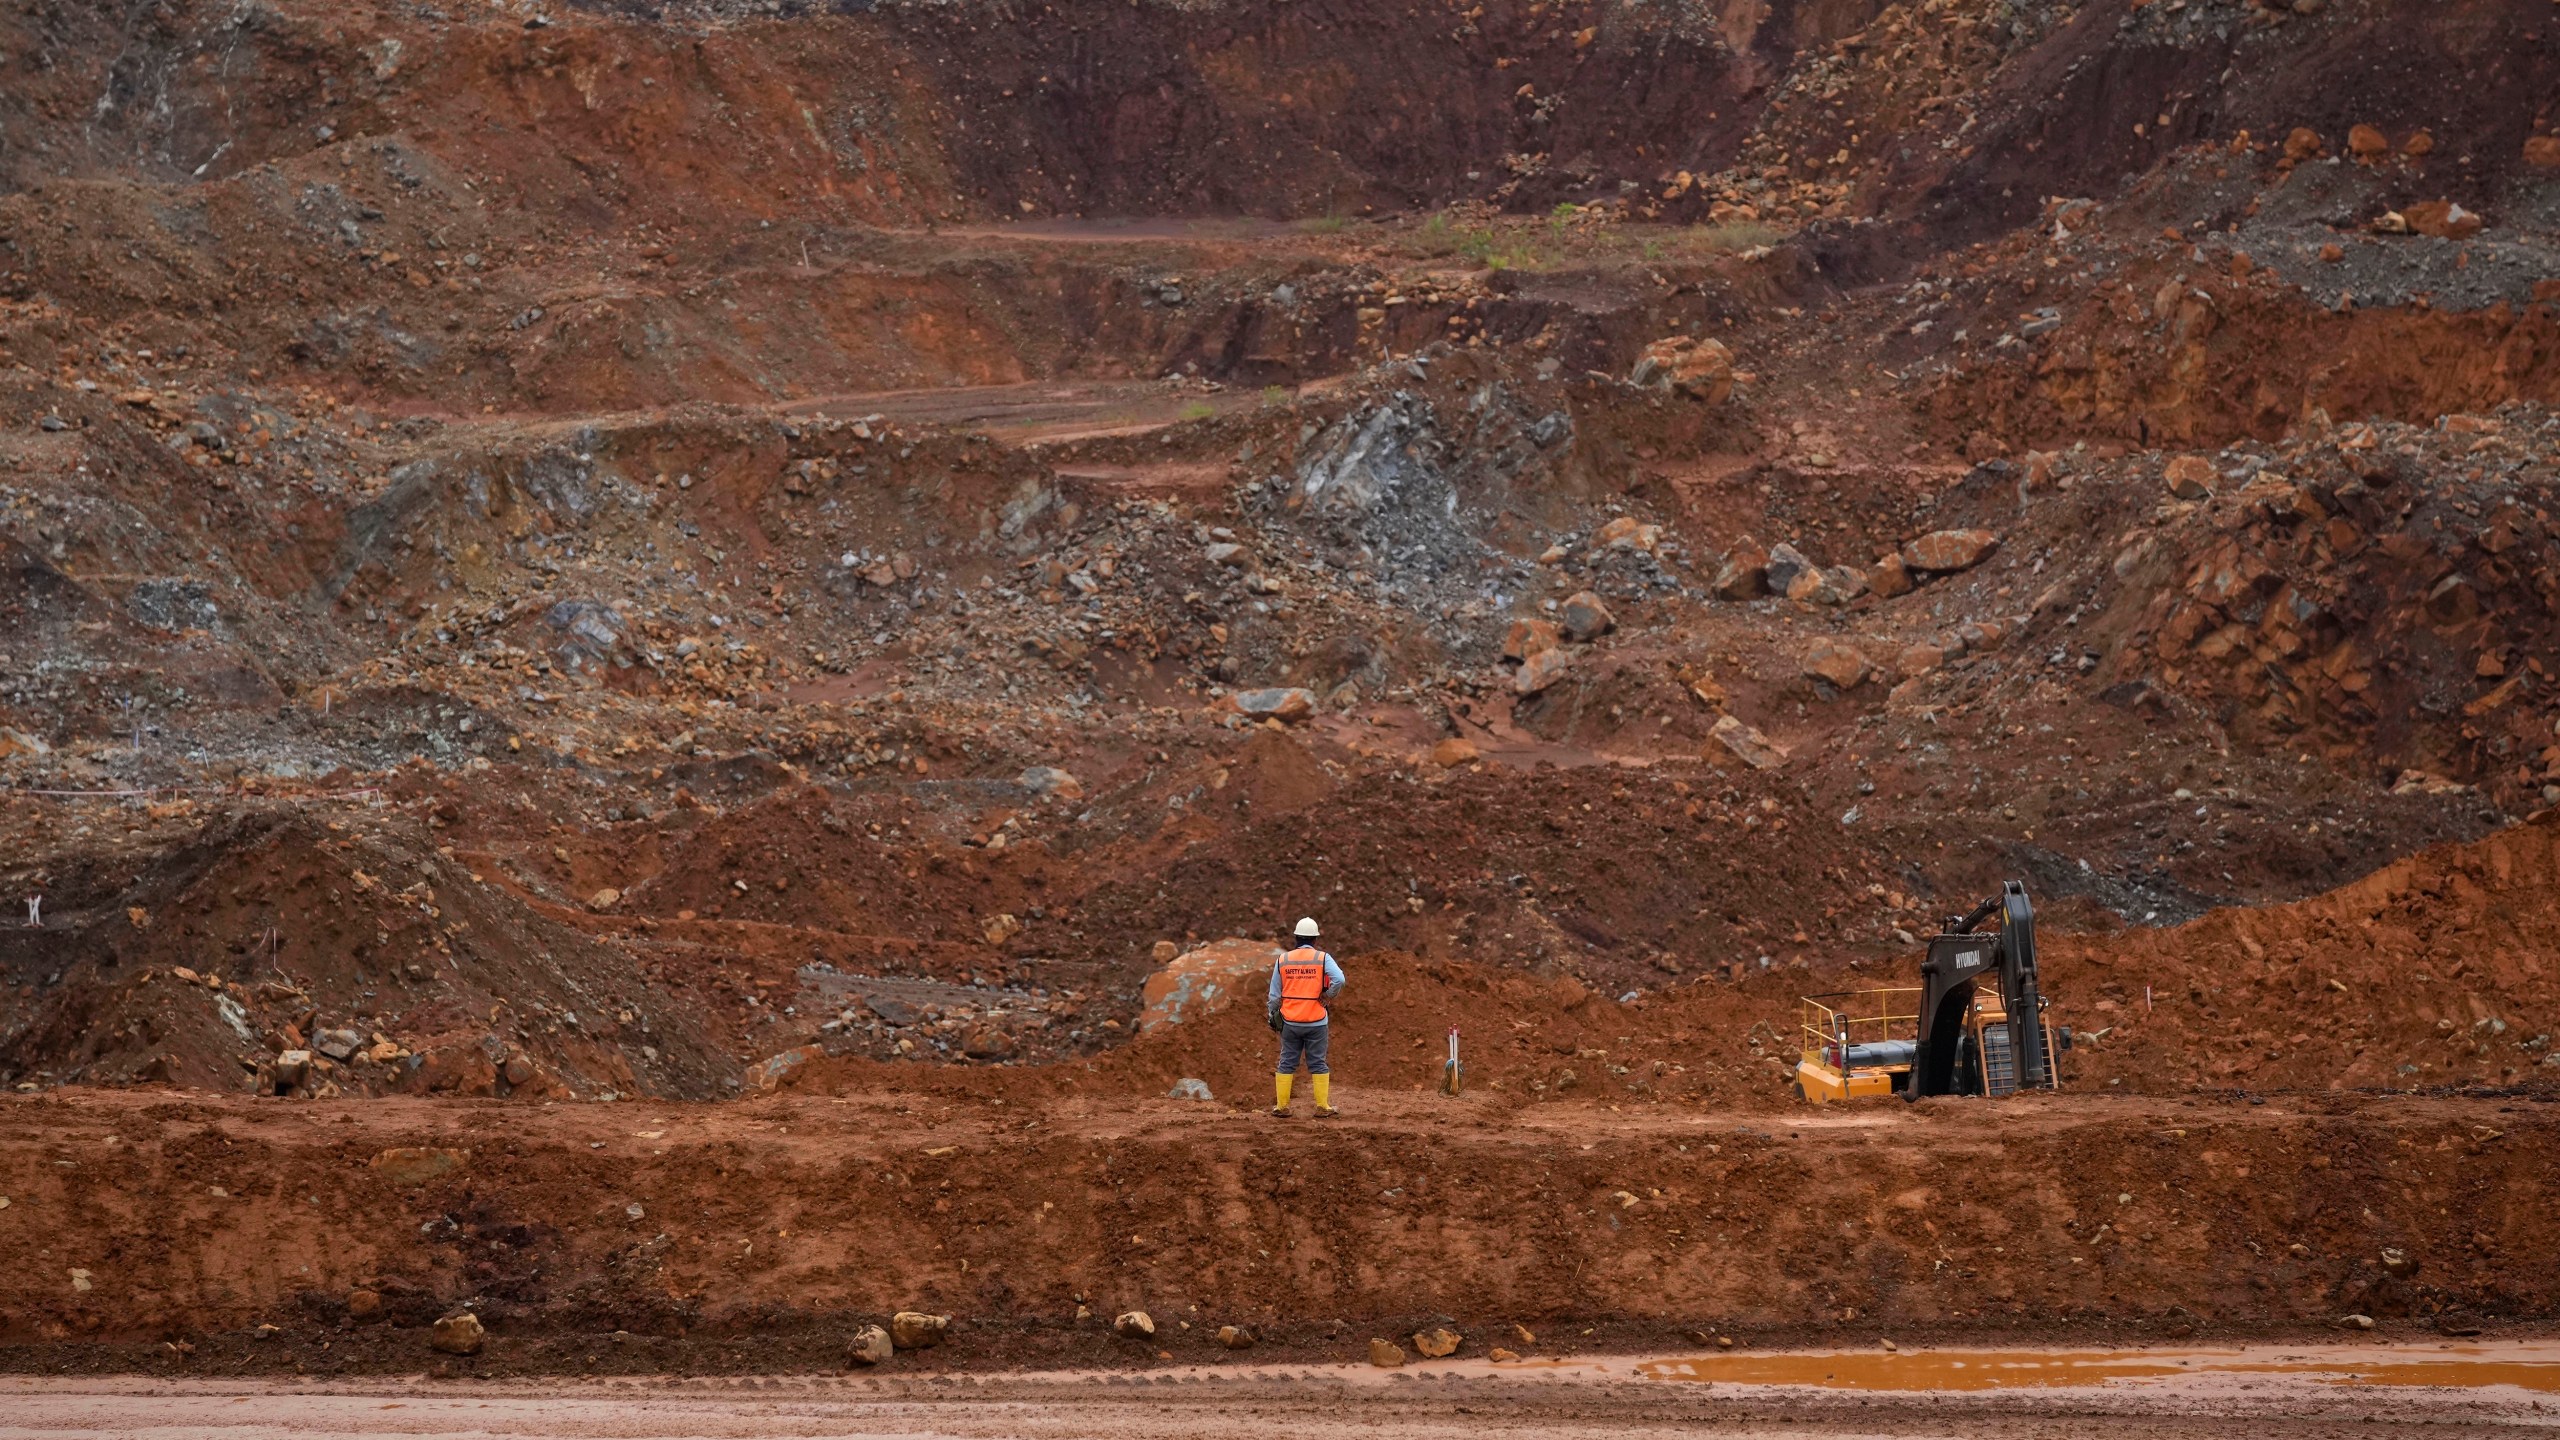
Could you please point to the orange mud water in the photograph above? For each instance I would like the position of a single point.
(2266, 1392)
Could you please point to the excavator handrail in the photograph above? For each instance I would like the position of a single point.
(1828, 1030)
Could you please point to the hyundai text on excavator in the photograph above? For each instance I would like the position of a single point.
(1976, 1024)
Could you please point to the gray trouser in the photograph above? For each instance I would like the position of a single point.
(1310, 1041)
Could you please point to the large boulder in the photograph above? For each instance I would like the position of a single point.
(1287, 705)
(2190, 477)
(2443, 219)
(1785, 563)
(1206, 980)
(1540, 671)
(1834, 585)
(917, 1330)
(406, 1167)
(1946, 551)
(1627, 533)
(1586, 618)
(870, 1345)
(775, 1071)
(1841, 666)
(1744, 575)
(1530, 637)
(459, 1333)
(1685, 365)
(1747, 744)
(1889, 577)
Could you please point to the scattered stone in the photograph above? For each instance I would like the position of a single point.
(1235, 1337)
(870, 1345)
(1530, 637)
(1947, 551)
(1288, 706)
(1585, 618)
(364, 1304)
(2355, 1322)
(1000, 927)
(1189, 1087)
(604, 899)
(917, 1330)
(1747, 744)
(2190, 477)
(891, 1010)
(1453, 752)
(1500, 1356)
(1164, 951)
(1437, 1343)
(2303, 144)
(1842, 666)
(1226, 554)
(1540, 671)
(459, 1334)
(1701, 369)
(1384, 1355)
(1134, 1325)
(1918, 660)
(1784, 564)
(1523, 1334)
(987, 1043)
(2367, 144)
(2542, 152)
(1889, 577)
(337, 1044)
(2398, 1263)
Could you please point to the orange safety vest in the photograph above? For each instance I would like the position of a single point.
(1302, 986)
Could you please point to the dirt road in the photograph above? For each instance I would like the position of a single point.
(2271, 1392)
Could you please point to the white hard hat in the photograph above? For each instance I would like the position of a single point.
(1307, 928)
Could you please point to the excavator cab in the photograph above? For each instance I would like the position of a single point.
(1977, 1024)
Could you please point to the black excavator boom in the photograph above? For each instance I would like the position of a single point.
(2013, 1052)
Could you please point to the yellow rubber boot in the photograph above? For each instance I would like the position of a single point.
(1324, 1095)
(1281, 1084)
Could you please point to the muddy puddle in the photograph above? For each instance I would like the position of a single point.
(2533, 1366)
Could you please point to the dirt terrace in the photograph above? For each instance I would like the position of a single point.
(758, 1235)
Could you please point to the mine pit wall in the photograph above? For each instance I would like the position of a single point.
(906, 111)
(179, 1218)
(2245, 362)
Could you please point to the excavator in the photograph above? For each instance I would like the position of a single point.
(1975, 1025)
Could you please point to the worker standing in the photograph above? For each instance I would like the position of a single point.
(1303, 985)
